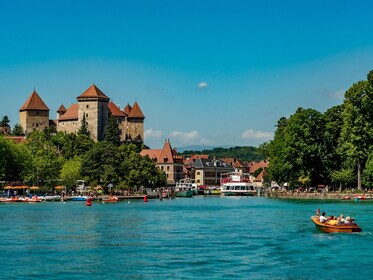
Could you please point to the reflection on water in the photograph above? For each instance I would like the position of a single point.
(214, 238)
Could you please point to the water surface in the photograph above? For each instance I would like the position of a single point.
(185, 238)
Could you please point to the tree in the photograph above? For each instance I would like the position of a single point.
(367, 176)
(112, 131)
(344, 177)
(298, 148)
(5, 122)
(84, 127)
(357, 130)
(70, 171)
(18, 130)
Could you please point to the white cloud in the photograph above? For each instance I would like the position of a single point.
(253, 134)
(152, 133)
(202, 85)
(184, 135)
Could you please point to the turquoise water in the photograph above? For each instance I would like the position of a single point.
(186, 238)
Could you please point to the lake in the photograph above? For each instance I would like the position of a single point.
(184, 238)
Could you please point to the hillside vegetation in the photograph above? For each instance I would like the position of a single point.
(246, 153)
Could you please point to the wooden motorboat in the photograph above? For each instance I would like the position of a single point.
(325, 227)
(110, 199)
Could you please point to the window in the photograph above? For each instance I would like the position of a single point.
(37, 113)
(198, 173)
(86, 115)
(168, 168)
(87, 106)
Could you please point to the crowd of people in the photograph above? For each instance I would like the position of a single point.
(334, 220)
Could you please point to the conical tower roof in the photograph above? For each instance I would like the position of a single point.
(127, 109)
(93, 92)
(34, 102)
(136, 112)
(62, 109)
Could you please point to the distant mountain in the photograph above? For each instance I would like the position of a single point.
(200, 148)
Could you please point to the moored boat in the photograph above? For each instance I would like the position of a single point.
(236, 184)
(110, 199)
(78, 198)
(325, 227)
(184, 188)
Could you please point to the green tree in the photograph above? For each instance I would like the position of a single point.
(357, 130)
(83, 130)
(70, 171)
(18, 130)
(112, 131)
(367, 176)
(344, 177)
(298, 148)
(5, 122)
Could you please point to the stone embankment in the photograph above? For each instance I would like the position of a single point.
(311, 195)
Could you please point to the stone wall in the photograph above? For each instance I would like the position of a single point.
(34, 120)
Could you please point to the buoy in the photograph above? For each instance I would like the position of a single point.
(89, 202)
(145, 198)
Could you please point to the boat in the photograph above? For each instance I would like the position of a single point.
(78, 198)
(110, 199)
(186, 184)
(212, 190)
(183, 188)
(325, 227)
(33, 199)
(236, 184)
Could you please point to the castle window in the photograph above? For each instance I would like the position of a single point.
(37, 125)
(37, 113)
(86, 115)
(87, 106)
(33, 124)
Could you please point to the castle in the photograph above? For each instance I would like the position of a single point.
(94, 106)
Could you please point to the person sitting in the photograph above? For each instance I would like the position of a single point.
(341, 220)
(323, 219)
(333, 221)
(348, 221)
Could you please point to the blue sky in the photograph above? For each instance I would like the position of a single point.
(203, 72)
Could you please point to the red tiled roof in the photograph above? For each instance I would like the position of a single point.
(235, 162)
(62, 109)
(256, 165)
(93, 91)
(136, 112)
(153, 154)
(115, 111)
(70, 114)
(127, 109)
(16, 139)
(34, 102)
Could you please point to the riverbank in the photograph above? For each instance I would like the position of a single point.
(317, 195)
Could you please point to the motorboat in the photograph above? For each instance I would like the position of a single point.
(325, 227)
(236, 184)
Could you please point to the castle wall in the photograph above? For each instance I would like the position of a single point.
(68, 126)
(34, 120)
(135, 128)
(96, 115)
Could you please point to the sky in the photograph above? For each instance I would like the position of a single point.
(203, 72)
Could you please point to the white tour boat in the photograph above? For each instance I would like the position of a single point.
(236, 184)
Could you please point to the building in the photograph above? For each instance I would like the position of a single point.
(209, 171)
(168, 161)
(93, 106)
(34, 114)
(239, 166)
(254, 166)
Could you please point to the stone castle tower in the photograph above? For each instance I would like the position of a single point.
(93, 103)
(34, 114)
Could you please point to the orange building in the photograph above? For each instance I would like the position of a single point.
(168, 161)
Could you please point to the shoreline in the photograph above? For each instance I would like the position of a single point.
(320, 196)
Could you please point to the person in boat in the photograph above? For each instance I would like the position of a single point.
(333, 221)
(341, 220)
(323, 219)
(348, 221)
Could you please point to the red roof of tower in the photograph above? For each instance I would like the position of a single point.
(136, 112)
(34, 102)
(127, 109)
(115, 111)
(70, 114)
(93, 91)
(62, 109)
